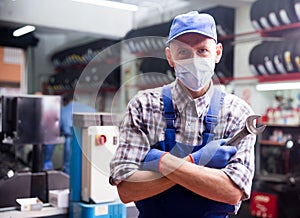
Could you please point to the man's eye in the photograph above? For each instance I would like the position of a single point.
(183, 53)
(202, 51)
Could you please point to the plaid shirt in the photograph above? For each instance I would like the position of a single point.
(144, 125)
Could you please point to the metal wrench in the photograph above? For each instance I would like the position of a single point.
(249, 128)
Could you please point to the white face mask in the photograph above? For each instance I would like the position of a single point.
(194, 73)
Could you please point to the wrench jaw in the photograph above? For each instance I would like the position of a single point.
(251, 127)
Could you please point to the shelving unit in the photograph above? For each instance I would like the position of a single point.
(272, 143)
(278, 153)
(90, 71)
(277, 174)
(271, 32)
(86, 64)
(291, 30)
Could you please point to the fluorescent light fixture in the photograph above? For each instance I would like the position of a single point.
(110, 4)
(23, 30)
(277, 86)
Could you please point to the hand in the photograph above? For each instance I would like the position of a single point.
(154, 156)
(214, 154)
(152, 160)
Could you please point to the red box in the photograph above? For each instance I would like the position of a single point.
(263, 205)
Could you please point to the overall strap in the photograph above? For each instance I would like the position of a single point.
(211, 118)
(170, 116)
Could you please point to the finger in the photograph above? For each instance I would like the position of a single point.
(208, 154)
(223, 141)
(229, 149)
(181, 150)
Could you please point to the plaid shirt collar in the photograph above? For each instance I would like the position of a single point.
(182, 98)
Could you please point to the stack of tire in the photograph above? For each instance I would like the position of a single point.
(70, 63)
(275, 57)
(224, 17)
(267, 14)
(63, 81)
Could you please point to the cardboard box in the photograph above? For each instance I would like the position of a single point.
(59, 198)
(28, 204)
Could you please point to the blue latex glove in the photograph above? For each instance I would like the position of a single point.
(214, 154)
(152, 159)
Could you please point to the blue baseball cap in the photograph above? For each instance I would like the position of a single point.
(193, 22)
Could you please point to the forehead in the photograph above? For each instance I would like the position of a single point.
(192, 40)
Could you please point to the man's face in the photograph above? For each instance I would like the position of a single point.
(193, 45)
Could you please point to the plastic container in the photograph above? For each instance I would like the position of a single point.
(105, 210)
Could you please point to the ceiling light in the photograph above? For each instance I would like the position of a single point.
(277, 86)
(110, 4)
(23, 30)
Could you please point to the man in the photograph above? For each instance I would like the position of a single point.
(171, 160)
(66, 122)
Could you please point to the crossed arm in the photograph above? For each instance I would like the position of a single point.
(207, 182)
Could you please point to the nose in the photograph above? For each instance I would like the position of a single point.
(195, 54)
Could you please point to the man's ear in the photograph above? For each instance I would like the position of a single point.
(169, 57)
(219, 51)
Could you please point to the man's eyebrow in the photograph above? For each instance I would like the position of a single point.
(181, 45)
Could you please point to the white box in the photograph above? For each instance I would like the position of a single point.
(28, 204)
(59, 198)
(99, 144)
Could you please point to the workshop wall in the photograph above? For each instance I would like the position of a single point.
(10, 65)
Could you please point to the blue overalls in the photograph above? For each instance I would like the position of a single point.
(179, 202)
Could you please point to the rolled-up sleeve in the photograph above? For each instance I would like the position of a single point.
(134, 139)
(241, 167)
